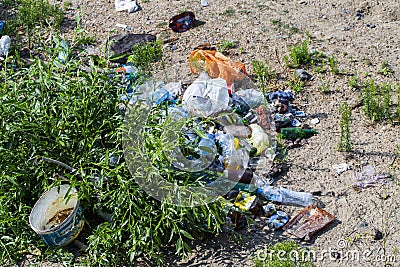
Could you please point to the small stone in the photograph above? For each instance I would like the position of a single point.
(314, 121)
(173, 48)
(362, 225)
(346, 29)
(330, 194)
(303, 75)
(378, 235)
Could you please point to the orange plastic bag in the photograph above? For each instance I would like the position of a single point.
(205, 58)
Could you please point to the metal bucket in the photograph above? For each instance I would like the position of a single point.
(57, 216)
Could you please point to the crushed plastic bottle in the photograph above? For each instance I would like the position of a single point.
(5, 43)
(283, 195)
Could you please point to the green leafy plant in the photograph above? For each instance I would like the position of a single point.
(225, 45)
(285, 254)
(144, 55)
(398, 102)
(318, 61)
(386, 69)
(377, 100)
(353, 81)
(297, 85)
(229, 12)
(32, 13)
(324, 87)
(333, 65)
(298, 55)
(263, 72)
(345, 144)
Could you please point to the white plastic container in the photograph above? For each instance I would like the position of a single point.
(56, 216)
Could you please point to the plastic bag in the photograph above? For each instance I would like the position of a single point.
(204, 58)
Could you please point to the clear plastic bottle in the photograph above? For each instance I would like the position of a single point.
(285, 196)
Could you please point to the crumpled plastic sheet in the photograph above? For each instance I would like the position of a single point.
(368, 177)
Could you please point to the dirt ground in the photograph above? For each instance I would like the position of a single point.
(361, 35)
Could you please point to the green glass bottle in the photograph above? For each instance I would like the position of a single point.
(296, 133)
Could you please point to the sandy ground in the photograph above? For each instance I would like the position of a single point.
(361, 35)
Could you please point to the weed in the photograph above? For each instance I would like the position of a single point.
(377, 100)
(353, 81)
(228, 12)
(345, 144)
(67, 4)
(276, 22)
(398, 102)
(288, 28)
(144, 55)
(162, 24)
(318, 67)
(225, 45)
(298, 55)
(333, 65)
(281, 254)
(318, 61)
(324, 87)
(263, 72)
(386, 69)
(31, 13)
(297, 85)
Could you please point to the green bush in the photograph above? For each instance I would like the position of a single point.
(345, 141)
(299, 55)
(57, 111)
(144, 55)
(263, 72)
(377, 100)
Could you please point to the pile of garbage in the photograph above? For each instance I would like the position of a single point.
(230, 132)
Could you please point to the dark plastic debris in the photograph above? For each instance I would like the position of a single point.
(124, 43)
(182, 22)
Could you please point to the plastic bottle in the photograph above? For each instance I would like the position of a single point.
(295, 133)
(277, 194)
(285, 196)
